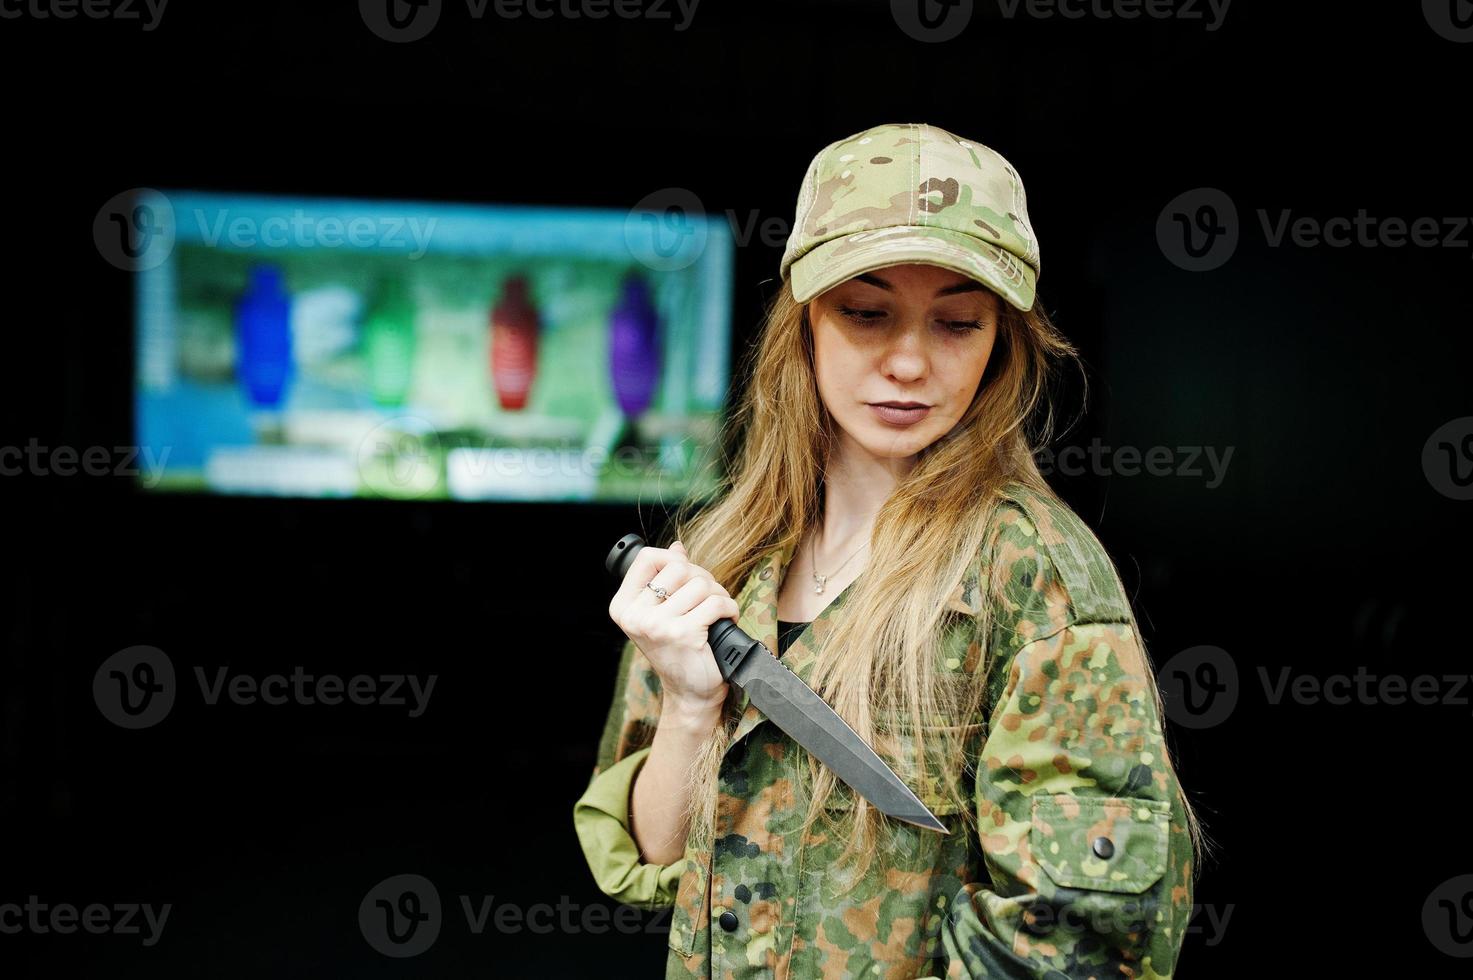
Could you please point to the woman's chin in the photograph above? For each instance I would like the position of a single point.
(895, 445)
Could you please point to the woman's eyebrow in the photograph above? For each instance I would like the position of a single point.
(874, 280)
(967, 286)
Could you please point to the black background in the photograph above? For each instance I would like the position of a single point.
(1324, 548)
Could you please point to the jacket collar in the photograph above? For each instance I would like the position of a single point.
(758, 603)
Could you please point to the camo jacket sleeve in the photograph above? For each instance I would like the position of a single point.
(1080, 830)
(601, 815)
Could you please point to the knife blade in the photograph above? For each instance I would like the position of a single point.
(794, 708)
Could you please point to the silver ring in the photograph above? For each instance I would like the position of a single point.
(657, 590)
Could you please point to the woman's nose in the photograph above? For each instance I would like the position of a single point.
(906, 354)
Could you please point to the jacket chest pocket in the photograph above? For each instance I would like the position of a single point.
(1109, 844)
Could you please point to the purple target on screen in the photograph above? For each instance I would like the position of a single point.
(634, 347)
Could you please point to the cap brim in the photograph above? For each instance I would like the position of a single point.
(834, 261)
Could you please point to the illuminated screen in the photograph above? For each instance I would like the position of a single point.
(316, 347)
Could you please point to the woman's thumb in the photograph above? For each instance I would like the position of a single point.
(678, 545)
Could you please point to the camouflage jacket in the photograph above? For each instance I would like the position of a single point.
(1082, 867)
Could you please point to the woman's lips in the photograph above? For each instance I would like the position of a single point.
(900, 416)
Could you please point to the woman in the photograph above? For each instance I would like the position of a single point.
(889, 535)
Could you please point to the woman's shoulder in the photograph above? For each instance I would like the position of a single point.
(1046, 568)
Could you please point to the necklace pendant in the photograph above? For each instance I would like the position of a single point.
(819, 581)
(818, 589)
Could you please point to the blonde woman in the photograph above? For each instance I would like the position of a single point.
(885, 531)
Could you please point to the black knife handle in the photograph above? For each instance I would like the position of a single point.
(729, 642)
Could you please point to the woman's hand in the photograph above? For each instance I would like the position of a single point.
(672, 634)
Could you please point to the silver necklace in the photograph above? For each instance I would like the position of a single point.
(820, 580)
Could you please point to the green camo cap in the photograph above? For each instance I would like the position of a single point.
(912, 193)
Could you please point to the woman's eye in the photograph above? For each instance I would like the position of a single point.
(859, 315)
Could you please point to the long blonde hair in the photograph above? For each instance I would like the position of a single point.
(877, 667)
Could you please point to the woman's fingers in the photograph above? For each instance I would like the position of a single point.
(646, 565)
(715, 607)
(686, 585)
(672, 632)
(697, 569)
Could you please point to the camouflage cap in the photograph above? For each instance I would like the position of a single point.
(903, 193)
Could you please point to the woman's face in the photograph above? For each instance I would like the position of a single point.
(905, 334)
